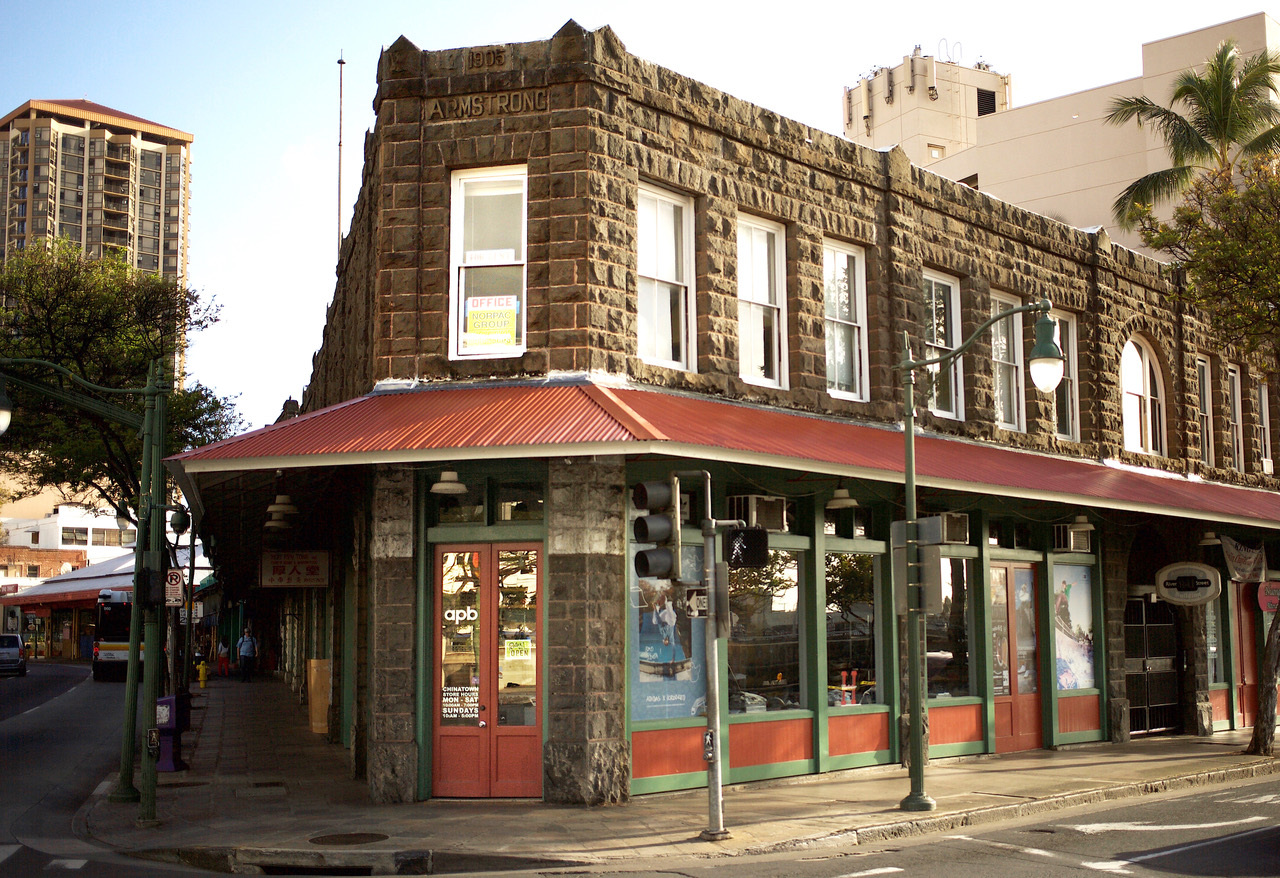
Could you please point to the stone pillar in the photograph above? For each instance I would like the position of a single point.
(393, 751)
(1115, 545)
(587, 756)
(1197, 710)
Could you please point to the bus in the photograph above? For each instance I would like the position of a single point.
(111, 638)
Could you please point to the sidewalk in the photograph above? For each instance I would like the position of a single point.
(263, 790)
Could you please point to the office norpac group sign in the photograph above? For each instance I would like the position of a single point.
(1188, 583)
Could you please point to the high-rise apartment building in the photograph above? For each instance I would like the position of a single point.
(1058, 157)
(104, 179)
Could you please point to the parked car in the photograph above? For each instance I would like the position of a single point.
(13, 659)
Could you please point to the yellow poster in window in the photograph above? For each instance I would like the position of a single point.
(491, 322)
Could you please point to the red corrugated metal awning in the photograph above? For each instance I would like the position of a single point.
(449, 423)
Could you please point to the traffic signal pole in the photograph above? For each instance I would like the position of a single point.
(662, 528)
(712, 750)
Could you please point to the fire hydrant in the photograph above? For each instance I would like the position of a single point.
(204, 674)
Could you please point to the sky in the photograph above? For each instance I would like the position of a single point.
(257, 85)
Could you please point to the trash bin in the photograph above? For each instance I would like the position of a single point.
(319, 681)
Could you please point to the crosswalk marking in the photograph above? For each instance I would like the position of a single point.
(65, 864)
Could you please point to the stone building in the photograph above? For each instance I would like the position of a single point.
(571, 270)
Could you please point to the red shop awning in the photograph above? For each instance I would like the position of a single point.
(450, 423)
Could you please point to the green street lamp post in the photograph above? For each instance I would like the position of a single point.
(1046, 366)
(148, 551)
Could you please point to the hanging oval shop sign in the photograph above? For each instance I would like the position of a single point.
(1188, 583)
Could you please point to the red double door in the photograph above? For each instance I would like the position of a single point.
(487, 699)
(1015, 658)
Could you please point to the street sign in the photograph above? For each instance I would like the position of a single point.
(173, 588)
(695, 597)
(196, 616)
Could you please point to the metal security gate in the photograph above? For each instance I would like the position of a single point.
(1151, 666)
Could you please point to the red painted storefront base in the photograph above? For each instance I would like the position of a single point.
(1082, 713)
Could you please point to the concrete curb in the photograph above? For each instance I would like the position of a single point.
(251, 860)
(994, 814)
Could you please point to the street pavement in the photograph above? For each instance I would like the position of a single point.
(263, 791)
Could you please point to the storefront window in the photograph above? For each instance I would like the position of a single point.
(947, 634)
(1073, 625)
(764, 641)
(852, 658)
(668, 659)
(519, 501)
(1213, 641)
(467, 508)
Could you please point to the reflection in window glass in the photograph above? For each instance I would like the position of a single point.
(852, 658)
(947, 634)
(1073, 625)
(764, 642)
(460, 614)
(1213, 641)
(520, 501)
(517, 638)
(465, 508)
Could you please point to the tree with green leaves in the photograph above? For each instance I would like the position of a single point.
(1216, 120)
(1225, 235)
(105, 322)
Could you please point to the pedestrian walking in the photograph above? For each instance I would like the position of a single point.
(247, 650)
(224, 658)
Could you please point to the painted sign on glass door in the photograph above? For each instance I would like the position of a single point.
(487, 695)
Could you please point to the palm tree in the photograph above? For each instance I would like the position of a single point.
(1230, 116)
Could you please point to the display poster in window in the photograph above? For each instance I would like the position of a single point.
(1073, 625)
(490, 324)
(668, 653)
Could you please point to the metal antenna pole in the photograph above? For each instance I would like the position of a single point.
(341, 65)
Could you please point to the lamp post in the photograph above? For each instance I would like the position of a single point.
(1046, 366)
(148, 561)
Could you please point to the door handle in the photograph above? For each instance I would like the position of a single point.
(483, 724)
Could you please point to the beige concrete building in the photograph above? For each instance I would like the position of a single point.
(102, 178)
(1057, 157)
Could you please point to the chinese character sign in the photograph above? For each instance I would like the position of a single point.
(304, 569)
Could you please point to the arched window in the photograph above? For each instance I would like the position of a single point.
(1143, 409)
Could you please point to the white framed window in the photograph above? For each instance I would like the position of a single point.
(1006, 365)
(844, 296)
(1066, 399)
(762, 301)
(1235, 420)
(1205, 378)
(664, 259)
(487, 262)
(941, 335)
(1263, 408)
(1143, 404)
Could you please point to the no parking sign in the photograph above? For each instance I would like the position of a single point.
(173, 588)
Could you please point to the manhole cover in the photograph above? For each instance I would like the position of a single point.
(350, 838)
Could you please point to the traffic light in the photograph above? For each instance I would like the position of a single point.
(660, 525)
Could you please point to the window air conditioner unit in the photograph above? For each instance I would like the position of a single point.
(949, 528)
(1070, 538)
(1267, 466)
(758, 510)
